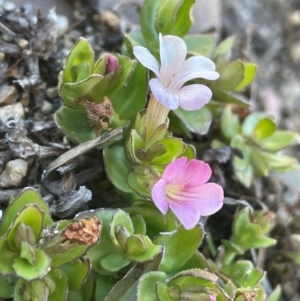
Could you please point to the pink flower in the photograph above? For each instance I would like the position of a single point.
(112, 64)
(184, 190)
(174, 72)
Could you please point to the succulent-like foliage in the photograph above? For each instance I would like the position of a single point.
(41, 257)
(92, 92)
(258, 144)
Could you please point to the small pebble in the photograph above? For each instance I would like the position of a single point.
(62, 25)
(8, 94)
(9, 6)
(25, 99)
(295, 241)
(294, 18)
(13, 173)
(110, 19)
(15, 110)
(51, 92)
(46, 107)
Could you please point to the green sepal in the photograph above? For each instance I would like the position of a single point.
(6, 258)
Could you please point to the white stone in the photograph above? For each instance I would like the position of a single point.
(47, 107)
(14, 110)
(13, 173)
(62, 25)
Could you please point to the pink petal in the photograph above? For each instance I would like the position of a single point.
(165, 96)
(194, 97)
(187, 214)
(210, 198)
(144, 56)
(172, 55)
(194, 67)
(198, 172)
(158, 195)
(173, 172)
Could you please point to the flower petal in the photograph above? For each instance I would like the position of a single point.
(198, 171)
(166, 97)
(210, 198)
(174, 170)
(194, 67)
(187, 214)
(159, 196)
(194, 97)
(172, 55)
(144, 56)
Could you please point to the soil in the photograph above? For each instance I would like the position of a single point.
(268, 34)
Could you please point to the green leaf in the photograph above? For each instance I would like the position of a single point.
(275, 295)
(132, 97)
(139, 224)
(27, 196)
(81, 52)
(61, 285)
(117, 167)
(6, 258)
(120, 219)
(264, 128)
(86, 291)
(179, 245)
(29, 271)
(32, 216)
(197, 121)
(126, 288)
(250, 122)
(7, 284)
(114, 262)
(238, 142)
(245, 176)
(249, 75)
(226, 97)
(140, 248)
(147, 285)
(200, 44)
(70, 91)
(230, 76)
(164, 292)
(147, 22)
(259, 163)
(77, 272)
(183, 18)
(278, 140)
(103, 285)
(223, 48)
(280, 162)
(230, 124)
(134, 38)
(74, 124)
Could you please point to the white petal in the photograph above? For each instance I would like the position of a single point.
(144, 56)
(165, 96)
(172, 55)
(194, 67)
(194, 97)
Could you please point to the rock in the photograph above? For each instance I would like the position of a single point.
(47, 107)
(62, 25)
(8, 94)
(51, 92)
(9, 6)
(295, 241)
(13, 173)
(15, 110)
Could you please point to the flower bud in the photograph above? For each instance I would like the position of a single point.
(112, 64)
